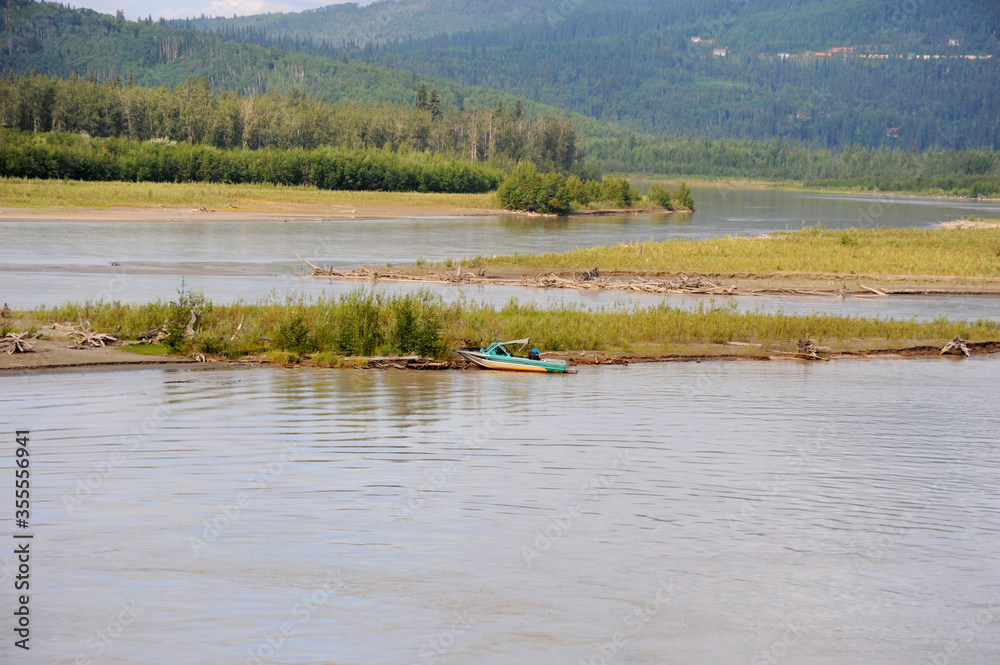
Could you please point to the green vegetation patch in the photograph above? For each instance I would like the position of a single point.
(62, 155)
(365, 322)
(148, 349)
(955, 252)
(37, 193)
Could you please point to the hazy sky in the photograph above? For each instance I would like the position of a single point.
(183, 8)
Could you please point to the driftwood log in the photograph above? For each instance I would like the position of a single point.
(589, 279)
(808, 348)
(153, 335)
(85, 335)
(15, 343)
(957, 346)
(406, 362)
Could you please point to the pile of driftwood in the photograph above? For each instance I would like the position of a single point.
(84, 335)
(957, 346)
(589, 279)
(406, 362)
(808, 349)
(15, 343)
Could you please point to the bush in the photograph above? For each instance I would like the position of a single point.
(282, 357)
(661, 196)
(361, 328)
(526, 189)
(576, 191)
(682, 198)
(618, 191)
(848, 239)
(417, 324)
(294, 336)
(179, 316)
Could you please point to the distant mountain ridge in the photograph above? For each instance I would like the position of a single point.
(61, 42)
(790, 69)
(390, 20)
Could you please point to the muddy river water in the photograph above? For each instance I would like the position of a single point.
(691, 513)
(749, 512)
(50, 263)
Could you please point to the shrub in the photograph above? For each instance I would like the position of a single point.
(282, 357)
(682, 198)
(848, 239)
(294, 335)
(618, 191)
(661, 196)
(576, 190)
(179, 315)
(361, 331)
(526, 189)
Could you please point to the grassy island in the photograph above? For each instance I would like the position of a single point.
(368, 323)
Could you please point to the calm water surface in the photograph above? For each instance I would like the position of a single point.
(725, 513)
(48, 263)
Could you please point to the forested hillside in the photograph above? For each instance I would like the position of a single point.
(389, 20)
(61, 42)
(191, 113)
(634, 63)
(145, 81)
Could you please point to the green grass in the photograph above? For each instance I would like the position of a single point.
(148, 349)
(282, 357)
(955, 252)
(34, 193)
(364, 323)
(328, 359)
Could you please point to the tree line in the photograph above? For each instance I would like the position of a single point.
(58, 42)
(191, 112)
(953, 172)
(554, 194)
(76, 157)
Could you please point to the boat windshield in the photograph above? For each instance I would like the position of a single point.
(500, 348)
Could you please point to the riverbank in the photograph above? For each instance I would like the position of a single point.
(68, 200)
(817, 187)
(53, 356)
(966, 256)
(960, 258)
(72, 200)
(421, 331)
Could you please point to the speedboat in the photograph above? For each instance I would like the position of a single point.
(499, 355)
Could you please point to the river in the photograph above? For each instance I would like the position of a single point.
(49, 263)
(752, 512)
(700, 512)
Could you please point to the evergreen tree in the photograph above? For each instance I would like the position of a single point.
(434, 105)
(682, 199)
